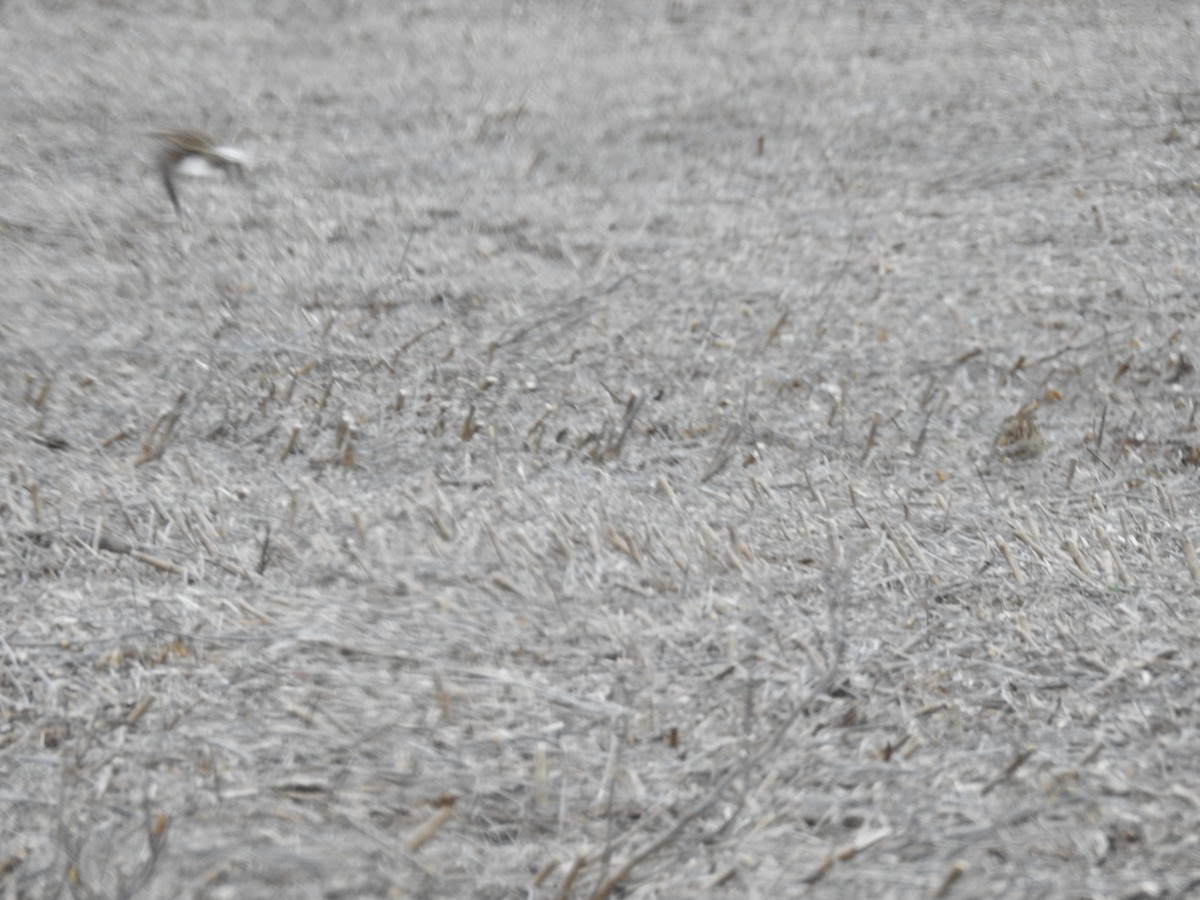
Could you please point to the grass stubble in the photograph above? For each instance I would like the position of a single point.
(627, 486)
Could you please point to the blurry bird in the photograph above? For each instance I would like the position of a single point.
(1020, 438)
(194, 153)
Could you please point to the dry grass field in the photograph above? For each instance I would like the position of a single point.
(605, 449)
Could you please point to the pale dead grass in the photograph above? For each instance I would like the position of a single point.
(535, 484)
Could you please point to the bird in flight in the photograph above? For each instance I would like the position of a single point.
(194, 153)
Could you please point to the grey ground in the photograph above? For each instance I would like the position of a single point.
(578, 462)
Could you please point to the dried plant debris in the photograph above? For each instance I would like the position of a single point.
(610, 500)
(1020, 438)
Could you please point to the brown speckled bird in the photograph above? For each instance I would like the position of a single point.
(1020, 438)
(194, 153)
